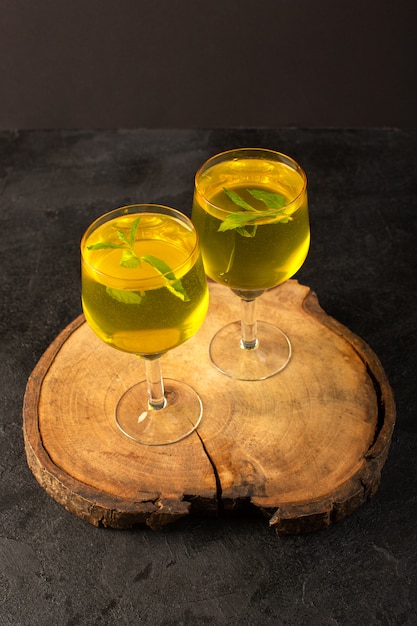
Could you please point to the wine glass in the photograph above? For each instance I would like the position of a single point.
(250, 209)
(144, 291)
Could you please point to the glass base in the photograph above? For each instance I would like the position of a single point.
(178, 418)
(271, 354)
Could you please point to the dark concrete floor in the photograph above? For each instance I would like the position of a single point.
(56, 569)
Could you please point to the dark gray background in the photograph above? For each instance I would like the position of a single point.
(189, 63)
(57, 570)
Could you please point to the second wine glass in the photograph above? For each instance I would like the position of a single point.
(251, 212)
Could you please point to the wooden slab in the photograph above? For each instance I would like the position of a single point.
(306, 446)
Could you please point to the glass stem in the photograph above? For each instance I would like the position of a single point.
(248, 324)
(156, 393)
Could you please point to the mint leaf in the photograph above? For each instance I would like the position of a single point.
(104, 244)
(238, 200)
(133, 229)
(244, 231)
(178, 290)
(163, 268)
(123, 238)
(238, 221)
(124, 296)
(159, 265)
(271, 199)
(129, 259)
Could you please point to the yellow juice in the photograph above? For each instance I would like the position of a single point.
(138, 309)
(273, 248)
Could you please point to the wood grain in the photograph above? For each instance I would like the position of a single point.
(306, 446)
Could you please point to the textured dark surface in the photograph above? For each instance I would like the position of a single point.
(56, 569)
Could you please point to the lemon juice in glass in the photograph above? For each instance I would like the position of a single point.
(144, 291)
(251, 211)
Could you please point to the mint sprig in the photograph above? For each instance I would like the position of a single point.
(130, 259)
(173, 285)
(239, 220)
